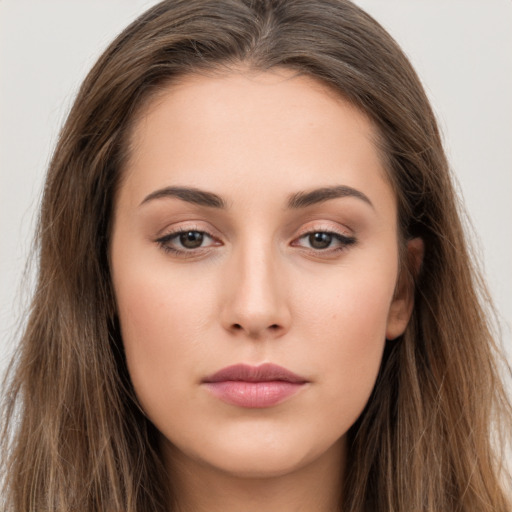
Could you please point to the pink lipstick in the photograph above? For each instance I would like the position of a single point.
(254, 386)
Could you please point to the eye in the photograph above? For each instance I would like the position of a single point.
(320, 240)
(191, 239)
(324, 241)
(186, 240)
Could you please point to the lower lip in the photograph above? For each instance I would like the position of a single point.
(254, 395)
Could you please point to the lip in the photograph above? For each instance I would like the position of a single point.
(254, 386)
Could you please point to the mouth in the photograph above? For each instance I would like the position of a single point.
(248, 386)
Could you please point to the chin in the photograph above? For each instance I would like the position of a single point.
(260, 452)
(258, 462)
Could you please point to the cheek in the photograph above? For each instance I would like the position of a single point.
(163, 323)
(348, 322)
(158, 311)
(352, 305)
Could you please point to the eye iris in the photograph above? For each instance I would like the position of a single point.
(320, 240)
(191, 239)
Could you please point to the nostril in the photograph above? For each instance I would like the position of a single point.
(273, 327)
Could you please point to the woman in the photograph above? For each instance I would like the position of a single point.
(254, 289)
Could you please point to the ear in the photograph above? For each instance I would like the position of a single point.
(403, 300)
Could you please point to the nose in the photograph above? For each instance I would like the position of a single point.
(256, 304)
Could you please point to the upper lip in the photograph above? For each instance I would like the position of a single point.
(267, 372)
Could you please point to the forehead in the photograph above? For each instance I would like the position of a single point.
(243, 127)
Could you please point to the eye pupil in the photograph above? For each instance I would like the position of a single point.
(191, 239)
(320, 240)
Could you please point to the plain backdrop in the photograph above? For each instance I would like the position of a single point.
(462, 50)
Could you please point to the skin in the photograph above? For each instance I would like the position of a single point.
(257, 289)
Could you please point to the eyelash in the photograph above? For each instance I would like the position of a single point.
(344, 241)
(164, 242)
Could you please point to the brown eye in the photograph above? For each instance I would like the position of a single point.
(320, 240)
(326, 241)
(191, 239)
(188, 241)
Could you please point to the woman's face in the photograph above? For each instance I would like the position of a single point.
(255, 226)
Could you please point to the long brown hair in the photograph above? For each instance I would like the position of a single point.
(74, 437)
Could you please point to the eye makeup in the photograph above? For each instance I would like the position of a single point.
(192, 241)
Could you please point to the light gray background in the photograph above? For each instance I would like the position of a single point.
(462, 50)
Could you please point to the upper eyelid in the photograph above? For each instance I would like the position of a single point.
(345, 232)
(181, 227)
(324, 225)
(214, 233)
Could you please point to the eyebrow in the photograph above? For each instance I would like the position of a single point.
(295, 201)
(319, 195)
(188, 194)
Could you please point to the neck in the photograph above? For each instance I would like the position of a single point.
(315, 487)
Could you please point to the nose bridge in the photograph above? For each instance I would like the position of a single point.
(257, 303)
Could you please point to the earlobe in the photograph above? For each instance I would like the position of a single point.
(403, 301)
